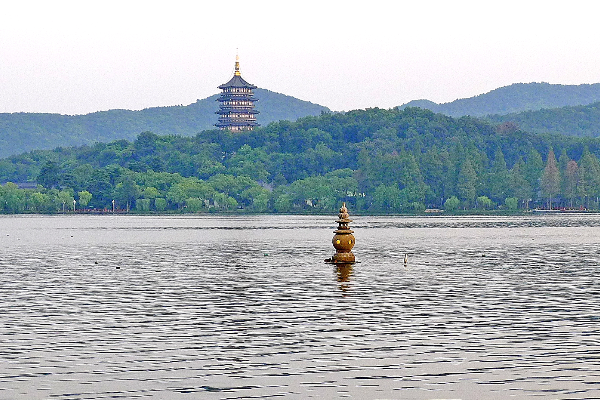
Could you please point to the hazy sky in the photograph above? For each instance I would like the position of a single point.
(75, 57)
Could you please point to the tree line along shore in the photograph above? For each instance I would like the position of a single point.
(375, 160)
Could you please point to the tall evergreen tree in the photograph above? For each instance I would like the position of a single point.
(581, 189)
(432, 165)
(590, 171)
(550, 183)
(411, 179)
(519, 186)
(570, 181)
(534, 165)
(49, 175)
(563, 161)
(467, 182)
(498, 177)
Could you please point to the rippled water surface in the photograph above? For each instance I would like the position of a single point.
(105, 307)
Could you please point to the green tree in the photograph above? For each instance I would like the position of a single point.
(249, 162)
(194, 204)
(512, 203)
(563, 162)
(39, 202)
(589, 168)
(570, 181)
(582, 186)
(66, 199)
(127, 192)
(283, 203)
(150, 192)
(84, 198)
(388, 199)
(160, 204)
(191, 188)
(534, 165)
(146, 144)
(101, 185)
(417, 207)
(467, 181)
(499, 177)
(82, 175)
(451, 204)
(313, 192)
(438, 173)
(256, 198)
(142, 205)
(519, 186)
(411, 180)
(484, 202)
(14, 198)
(550, 183)
(49, 175)
(221, 200)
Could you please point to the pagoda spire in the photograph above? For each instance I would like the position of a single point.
(237, 66)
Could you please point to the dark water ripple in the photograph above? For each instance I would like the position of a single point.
(243, 307)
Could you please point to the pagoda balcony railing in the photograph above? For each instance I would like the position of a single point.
(236, 90)
(254, 123)
(237, 116)
(239, 103)
(237, 98)
(230, 105)
(238, 119)
(237, 110)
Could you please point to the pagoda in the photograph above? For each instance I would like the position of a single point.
(343, 240)
(236, 108)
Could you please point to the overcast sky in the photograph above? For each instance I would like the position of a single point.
(82, 56)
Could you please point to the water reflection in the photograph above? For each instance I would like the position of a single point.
(344, 273)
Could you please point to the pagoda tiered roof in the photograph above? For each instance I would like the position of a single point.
(237, 82)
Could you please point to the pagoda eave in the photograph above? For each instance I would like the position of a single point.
(237, 123)
(240, 85)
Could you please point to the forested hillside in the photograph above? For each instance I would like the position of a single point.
(20, 132)
(573, 121)
(515, 98)
(378, 161)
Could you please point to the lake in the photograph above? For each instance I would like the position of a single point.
(213, 307)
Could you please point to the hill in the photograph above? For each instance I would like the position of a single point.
(378, 161)
(21, 132)
(572, 121)
(515, 98)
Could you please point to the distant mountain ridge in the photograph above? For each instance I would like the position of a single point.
(535, 107)
(22, 132)
(515, 98)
